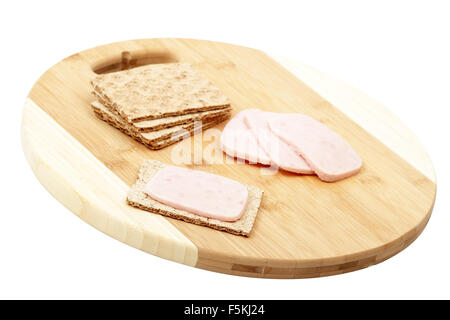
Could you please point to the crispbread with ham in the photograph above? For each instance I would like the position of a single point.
(138, 198)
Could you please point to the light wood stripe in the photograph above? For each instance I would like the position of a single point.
(89, 189)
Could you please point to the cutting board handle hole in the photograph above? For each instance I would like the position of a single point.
(128, 60)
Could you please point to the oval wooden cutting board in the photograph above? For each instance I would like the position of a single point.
(305, 227)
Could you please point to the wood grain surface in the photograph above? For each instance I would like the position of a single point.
(305, 227)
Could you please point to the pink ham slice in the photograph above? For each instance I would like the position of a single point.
(238, 141)
(198, 192)
(330, 156)
(281, 154)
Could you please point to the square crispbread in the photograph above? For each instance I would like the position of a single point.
(166, 122)
(137, 198)
(157, 139)
(149, 136)
(159, 144)
(157, 91)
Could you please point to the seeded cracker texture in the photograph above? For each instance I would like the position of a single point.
(157, 91)
(137, 198)
(157, 139)
(166, 122)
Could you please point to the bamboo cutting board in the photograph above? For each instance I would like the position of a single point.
(305, 227)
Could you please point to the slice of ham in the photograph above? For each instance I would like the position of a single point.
(281, 154)
(238, 141)
(330, 156)
(204, 194)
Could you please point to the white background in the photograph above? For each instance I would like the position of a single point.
(396, 51)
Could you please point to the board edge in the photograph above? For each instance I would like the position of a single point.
(76, 179)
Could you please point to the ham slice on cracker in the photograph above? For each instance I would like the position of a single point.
(191, 206)
(202, 193)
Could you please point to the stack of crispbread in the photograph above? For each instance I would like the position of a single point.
(159, 104)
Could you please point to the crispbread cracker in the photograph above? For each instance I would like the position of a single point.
(162, 142)
(166, 122)
(171, 140)
(148, 136)
(137, 198)
(157, 91)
